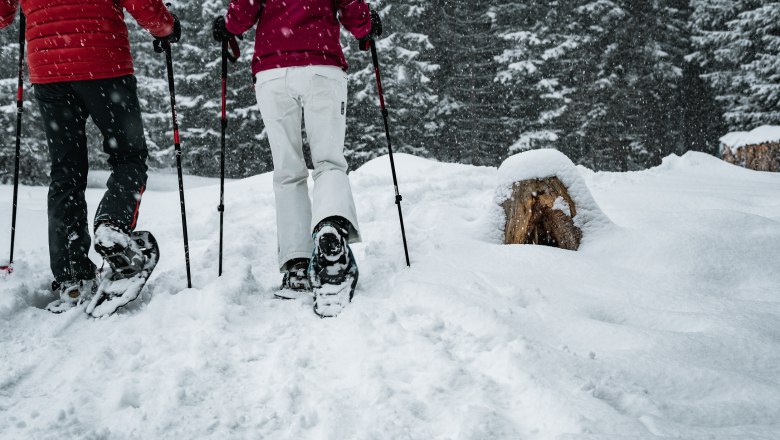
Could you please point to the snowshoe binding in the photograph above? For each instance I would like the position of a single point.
(71, 294)
(131, 259)
(295, 283)
(333, 272)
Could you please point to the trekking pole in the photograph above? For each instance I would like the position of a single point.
(389, 146)
(19, 110)
(231, 55)
(166, 45)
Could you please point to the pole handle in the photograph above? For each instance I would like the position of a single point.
(233, 51)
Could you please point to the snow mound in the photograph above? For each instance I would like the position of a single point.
(693, 160)
(758, 135)
(664, 328)
(404, 164)
(706, 165)
(539, 164)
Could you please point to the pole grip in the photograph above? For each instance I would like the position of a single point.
(233, 51)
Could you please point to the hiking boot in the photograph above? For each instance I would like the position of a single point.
(71, 293)
(295, 283)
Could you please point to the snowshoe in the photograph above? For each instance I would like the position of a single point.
(131, 262)
(295, 283)
(71, 294)
(333, 272)
(118, 249)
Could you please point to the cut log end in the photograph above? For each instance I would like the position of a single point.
(540, 211)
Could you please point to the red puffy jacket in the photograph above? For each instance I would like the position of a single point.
(73, 40)
(297, 32)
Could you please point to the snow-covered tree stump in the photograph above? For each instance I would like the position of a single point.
(540, 211)
(758, 149)
(543, 200)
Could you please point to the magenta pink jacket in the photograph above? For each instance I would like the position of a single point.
(298, 32)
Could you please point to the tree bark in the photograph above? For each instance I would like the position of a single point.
(760, 157)
(540, 211)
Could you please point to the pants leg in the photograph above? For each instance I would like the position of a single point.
(64, 118)
(114, 107)
(281, 113)
(325, 112)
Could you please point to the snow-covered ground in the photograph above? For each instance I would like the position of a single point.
(666, 325)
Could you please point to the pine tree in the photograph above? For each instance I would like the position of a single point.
(605, 81)
(702, 120)
(625, 101)
(737, 45)
(534, 67)
(197, 69)
(757, 33)
(472, 104)
(406, 70)
(34, 157)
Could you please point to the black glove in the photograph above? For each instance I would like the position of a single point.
(220, 32)
(376, 31)
(174, 37)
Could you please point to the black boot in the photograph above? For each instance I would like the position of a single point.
(70, 294)
(295, 283)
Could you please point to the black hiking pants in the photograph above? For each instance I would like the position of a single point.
(65, 106)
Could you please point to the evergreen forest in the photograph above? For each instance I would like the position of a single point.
(614, 84)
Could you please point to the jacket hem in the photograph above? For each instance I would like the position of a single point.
(80, 77)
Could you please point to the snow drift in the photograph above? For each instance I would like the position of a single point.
(666, 327)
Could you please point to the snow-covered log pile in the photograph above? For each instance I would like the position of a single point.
(758, 149)
(546, 201)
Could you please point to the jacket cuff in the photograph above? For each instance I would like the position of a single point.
(166, 27)
(230, 27)
(7, 19)
(362, 31)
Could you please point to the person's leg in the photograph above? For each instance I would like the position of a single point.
(64, 118)
(325, 112)
(114, 107)
(281, 113)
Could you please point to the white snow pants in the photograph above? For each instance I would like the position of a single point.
(320, 94)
